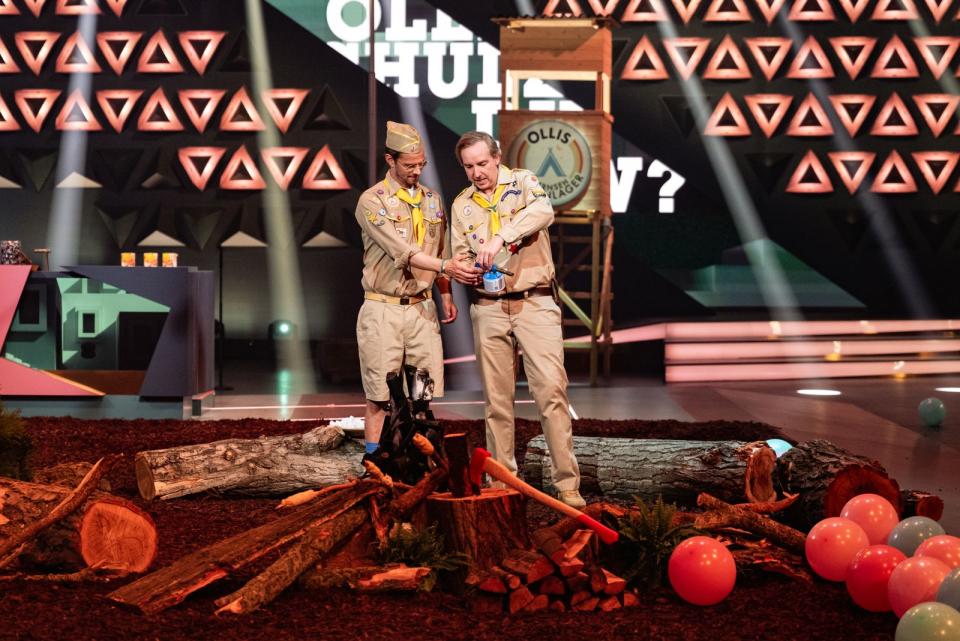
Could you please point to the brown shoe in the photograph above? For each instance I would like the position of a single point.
(572, 498)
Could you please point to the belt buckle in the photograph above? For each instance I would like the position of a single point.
(404, 300)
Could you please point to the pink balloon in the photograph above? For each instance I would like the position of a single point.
(914, 581)
(702, 570)
(831, 545)
(944, 547)
(874, 514)
(868, 574)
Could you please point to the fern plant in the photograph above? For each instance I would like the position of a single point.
(648, 540)
(15, 445)
(420, 548)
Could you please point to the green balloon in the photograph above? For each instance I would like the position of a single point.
(928, 622)
(932, 411)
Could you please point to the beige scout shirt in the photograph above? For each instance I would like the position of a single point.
(389, 242)
(525, 215)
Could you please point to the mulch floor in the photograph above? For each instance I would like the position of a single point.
(762, 606)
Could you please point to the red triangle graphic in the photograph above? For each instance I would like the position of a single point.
(603, 9)
(200, 104)
(7, 8)
(117, 6)
(75, 46)
(35, 62)
(241, 114)
(852, 121)
(572, 7)
(283, 119)
(770, 8)
(686, 10)
(107, 98)
(158, 105)
(811, 52)
(77, 7)
(200, 177)
(159, 46)
(644, 51)
(810, 177)
(35, 6)
(250, 180)
(7, 121)
(906, 11)
(938, 9)
(810, 109)
(675, 49)
(727, 51)
(853, 52)
(854, 8)
(894, 119)
(717, 13)
(76, 115)
(33, 114)
(887, 66)
(768, 121)
(282, 176)
(7, 63)
(118, 61)
(759, 48)
(800, 11)
(852, 166)
(656, 12)
(894, 177)
(937, 119)
(936, 177)
(209, 40)
(727, 119)
(325, 159)
(937, 65)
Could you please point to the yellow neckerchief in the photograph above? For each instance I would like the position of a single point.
(419, 229)
(491, 206)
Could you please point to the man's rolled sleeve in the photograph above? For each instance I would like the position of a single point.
(385, 236)
(536, 213)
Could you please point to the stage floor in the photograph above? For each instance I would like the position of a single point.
(874, 417)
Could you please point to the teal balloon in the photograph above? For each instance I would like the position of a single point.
(932, 411)
(929, 621)
(949, 592)
(908, 534)
(779, 446)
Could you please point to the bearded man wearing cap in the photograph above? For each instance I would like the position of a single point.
(502, 218)
(405, 249)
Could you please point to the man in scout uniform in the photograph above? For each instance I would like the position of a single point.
(502, 218)
(404, 249)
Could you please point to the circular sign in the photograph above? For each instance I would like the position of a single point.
(560, 156)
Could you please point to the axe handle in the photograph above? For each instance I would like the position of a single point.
(501, 473)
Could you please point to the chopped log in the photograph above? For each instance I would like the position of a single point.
(550, 537)
(68, 475)
(587, 605)
(579, 597)
(916, 503)
(826, 477)
(485, 528)
(604, 582)
(676, 469)
(540, 602)
(509, 579)
(552, 585)
(519, 599)
(609, 604)
(569, 567)
(630, 600)
(528, 565)
(579, 582)
(265, 466)
(558, 606)
(579, 542)
(170, 585)
(492, 584)
(726, 515)
(458, 452)
(395, 579)
(103, 530)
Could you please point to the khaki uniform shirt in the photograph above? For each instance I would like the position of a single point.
(525, 215)
(389, 242)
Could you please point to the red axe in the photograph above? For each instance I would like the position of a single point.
(481, 462)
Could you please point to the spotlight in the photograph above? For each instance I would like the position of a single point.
(819, 392)
(281, 330)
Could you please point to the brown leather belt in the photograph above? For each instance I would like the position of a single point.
(399, 300)
(527, 293)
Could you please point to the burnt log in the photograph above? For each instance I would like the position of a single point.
(676, 469)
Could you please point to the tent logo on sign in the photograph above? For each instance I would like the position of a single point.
(560, 156)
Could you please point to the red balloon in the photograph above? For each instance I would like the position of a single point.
(874, 514)
(868, 574)
(832, 544)
(914, 581)
(943, 547)
(702, 570)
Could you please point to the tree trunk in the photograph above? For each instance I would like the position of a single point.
(826, 477)
(266, 466)
(485, 528)
(678, 470)
(103, 530)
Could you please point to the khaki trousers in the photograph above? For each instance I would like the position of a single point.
(533, 325)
